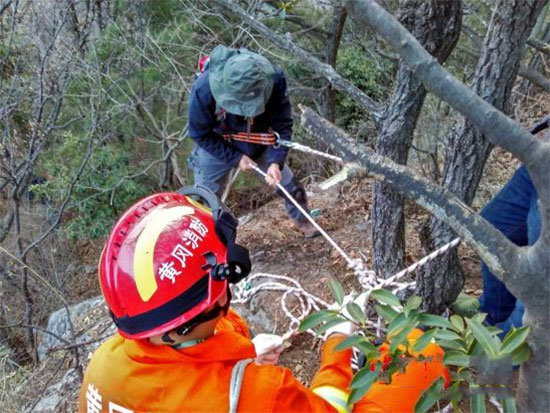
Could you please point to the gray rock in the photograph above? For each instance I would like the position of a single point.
(55, 394)
(58, 324)
(257, 318)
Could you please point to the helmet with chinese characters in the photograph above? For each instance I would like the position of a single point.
(153, 269)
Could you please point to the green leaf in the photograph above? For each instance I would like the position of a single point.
(479, 317)
(398, 324)
(386, 312)
(514, 339)
(432, 320)
(465, 305)
(456, 358)
(454, 393)
(315, 319)
(521, 354)
(365, 377)
(461, 375)
(366, 380)
(356, 313)
(400, 338)
(386, 297)
(475, 349)
(457, 323)
(509, 405)
(447, 335)
(483, 337)
(330, 323)
(366, 348)
(494, 330)
(337, 290)
(451, 344)
(430, 396)
(413, 303)
(350, 342)
(477, 403)
(422, 342)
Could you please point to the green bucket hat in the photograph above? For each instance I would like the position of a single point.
(240, 81)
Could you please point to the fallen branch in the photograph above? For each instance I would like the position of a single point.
(539, 45)
(535, 77)
(474, 230)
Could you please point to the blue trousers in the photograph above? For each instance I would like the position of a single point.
(514, 212)
(213, 172)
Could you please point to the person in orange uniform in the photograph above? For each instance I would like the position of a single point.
(165, 273)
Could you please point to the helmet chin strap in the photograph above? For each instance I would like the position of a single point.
(186, 328)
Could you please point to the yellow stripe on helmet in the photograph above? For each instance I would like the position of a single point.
(199, 206)
(336, 397)
(153, 225)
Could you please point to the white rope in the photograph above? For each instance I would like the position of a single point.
(245, 290)
(382, 283)
(308, 302)
(307, 149)
(356, 265)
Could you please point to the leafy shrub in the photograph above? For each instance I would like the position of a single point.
(365, 73)
(464, 340)
(100, 195)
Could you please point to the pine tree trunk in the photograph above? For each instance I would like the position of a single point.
(468, 149)
(436, 25)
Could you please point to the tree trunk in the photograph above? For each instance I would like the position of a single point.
(436, 25)
(440, 282)
(331, 52)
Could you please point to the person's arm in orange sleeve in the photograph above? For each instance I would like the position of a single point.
(290, 395)
(334, 376)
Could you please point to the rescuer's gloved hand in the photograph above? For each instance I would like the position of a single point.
(268, 348)
(346, 328)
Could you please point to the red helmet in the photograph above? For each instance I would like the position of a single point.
(156, 269)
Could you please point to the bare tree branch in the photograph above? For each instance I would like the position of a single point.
(535, 77)
(5, 4)
(539, 45)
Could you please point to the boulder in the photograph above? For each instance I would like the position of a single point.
(58, 324)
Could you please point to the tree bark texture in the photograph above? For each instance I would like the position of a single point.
(331, 52)
(440, 282)
(436, 25)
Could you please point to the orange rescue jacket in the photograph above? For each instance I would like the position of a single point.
(135, 376)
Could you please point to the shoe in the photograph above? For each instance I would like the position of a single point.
(307, 229)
